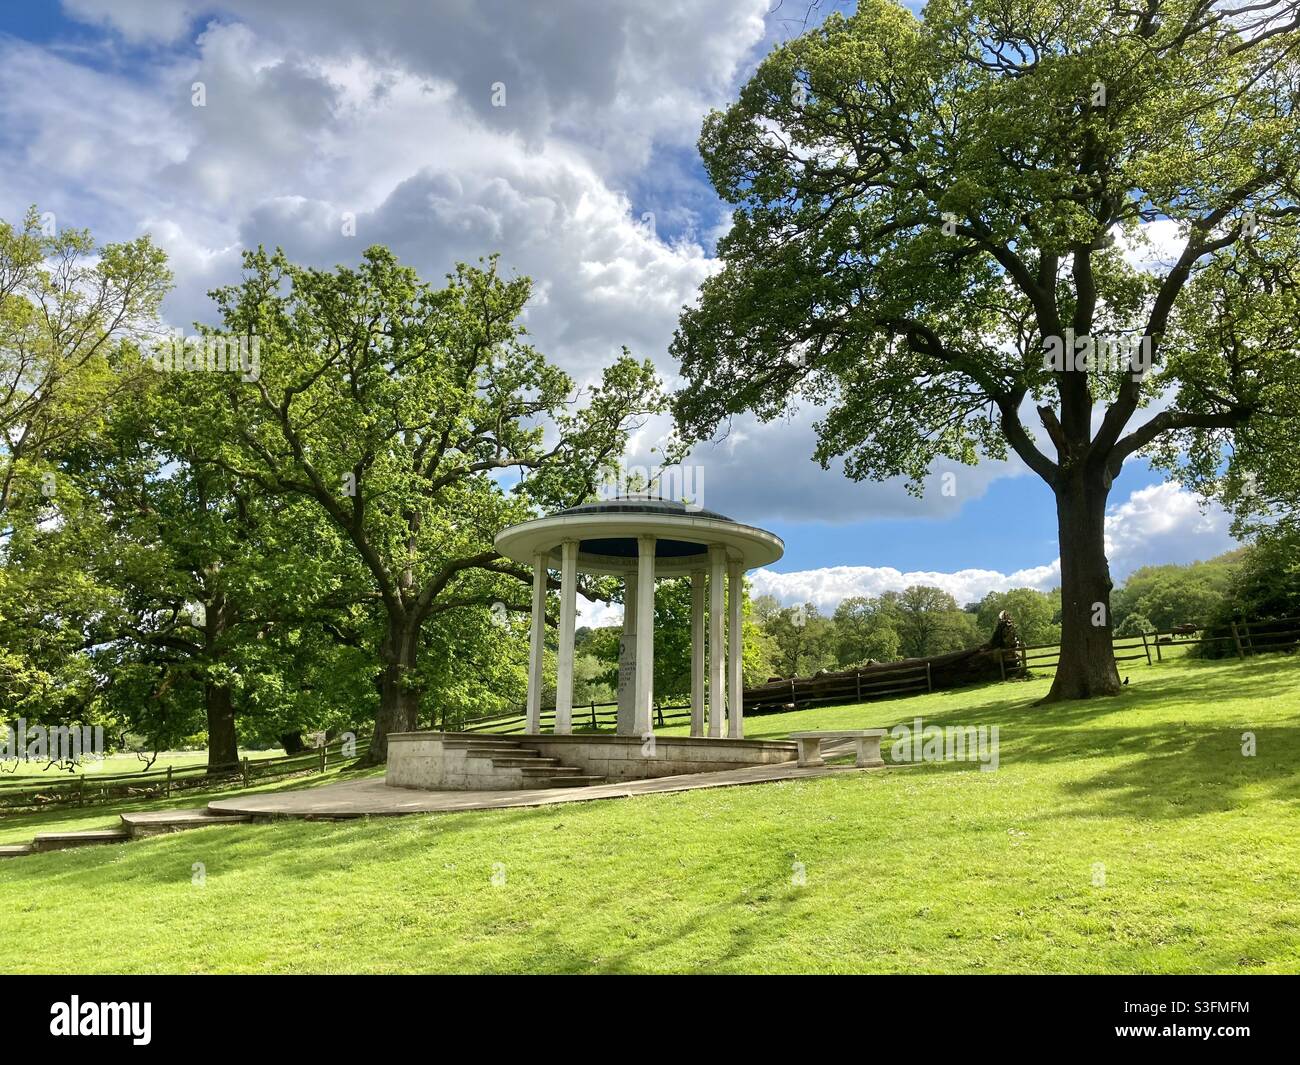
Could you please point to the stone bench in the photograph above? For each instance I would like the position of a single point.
(867, 739)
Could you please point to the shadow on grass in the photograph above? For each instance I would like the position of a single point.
(1171, 768)
(289, 848)
(1146, 753)
(1143, 754)
(21, 826)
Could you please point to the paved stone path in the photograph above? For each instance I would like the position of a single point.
(370, 797)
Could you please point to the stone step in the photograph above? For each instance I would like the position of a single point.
(455, 743)
(517, 762)
(577, 780)
(550, 771)
(15, 850)
(158, 822)
(501, 752)
(57, 841)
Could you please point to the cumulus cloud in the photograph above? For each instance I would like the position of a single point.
(829, 586)
(1160, 524)
(340, 122)
(1164, 523)
(618, 77)
(322, 111)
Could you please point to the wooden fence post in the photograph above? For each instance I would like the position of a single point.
(593, 714)
(1237, 638)
(244, 767)
(1159, 656)
(1002, 665)
(81, 788)
(323, 761)
(858, 675)
(1146, 648)
(169, 782)
(1250, 643)
(929, 683)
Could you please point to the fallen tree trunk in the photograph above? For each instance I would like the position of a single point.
(995, 660)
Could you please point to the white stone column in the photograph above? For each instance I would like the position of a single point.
(735, 658)
(717, 656)
(536, 646)
(627, 661)
(645, 634)
(697, 653)
(568, 613)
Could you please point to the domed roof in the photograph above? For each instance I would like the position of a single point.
(607, 532)
(641, 505)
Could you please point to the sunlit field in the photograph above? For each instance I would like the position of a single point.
(1124, 835)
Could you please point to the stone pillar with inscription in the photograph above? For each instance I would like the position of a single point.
(627, 660)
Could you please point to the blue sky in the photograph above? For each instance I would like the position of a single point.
(316, 110)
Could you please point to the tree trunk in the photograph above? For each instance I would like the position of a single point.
(399, 698)
(1087, 662)
(223, 742)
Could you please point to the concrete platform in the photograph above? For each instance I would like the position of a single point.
(468, 761)
(371, 797)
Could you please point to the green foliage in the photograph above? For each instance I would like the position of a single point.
(929, 622)
(1134, 625)
(1264, 585)
(910, 195)
(71, 315)
(51, 593)
(919, 622)
(1253, 310)
(395, 409)
(802, 637)
(1175, 595)
(1036, 614)
(71, 318)
(865, 632)
(290, 542)
(672, 649)
(925, 206)
(472, 665)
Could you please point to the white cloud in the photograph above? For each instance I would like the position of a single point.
(827, 587)
(320, 107)
(1154, 246)
(1164, 523)
(618, 77)
(598, 615)
(317, 110)
(1160, 524)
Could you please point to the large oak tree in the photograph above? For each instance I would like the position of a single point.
(71, 316)
(926, 206)
(420, 422)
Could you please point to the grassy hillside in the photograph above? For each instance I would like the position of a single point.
(917, 868)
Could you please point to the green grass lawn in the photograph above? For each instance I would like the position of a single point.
(933, 867)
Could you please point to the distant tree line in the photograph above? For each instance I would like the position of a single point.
(1256, 582)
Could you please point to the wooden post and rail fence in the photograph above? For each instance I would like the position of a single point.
(914, 676)
(25, 792)
(877, 681)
